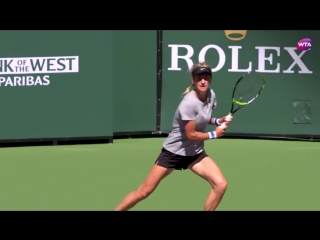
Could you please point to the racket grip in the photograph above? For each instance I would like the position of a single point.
(224, 125)
(228, 119)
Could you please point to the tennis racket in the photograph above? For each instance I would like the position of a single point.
(245, 91)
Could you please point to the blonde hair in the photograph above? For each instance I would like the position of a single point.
(197, 65)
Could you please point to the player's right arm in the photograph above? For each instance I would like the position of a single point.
(193, 135)
(188, 115)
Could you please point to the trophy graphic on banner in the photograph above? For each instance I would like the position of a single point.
(232, 34)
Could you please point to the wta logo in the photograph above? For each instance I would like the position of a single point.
(304, 44)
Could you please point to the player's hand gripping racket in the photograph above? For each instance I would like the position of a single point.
(245, 91)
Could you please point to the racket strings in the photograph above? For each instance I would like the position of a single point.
(248, 88)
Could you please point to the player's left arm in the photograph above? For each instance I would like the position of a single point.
(213, 120)
(219, 121)
(216, 121)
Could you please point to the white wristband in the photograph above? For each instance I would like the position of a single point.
(212, 135)
(216, 121)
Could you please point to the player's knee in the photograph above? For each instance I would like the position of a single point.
(221, 185)
(144, 192)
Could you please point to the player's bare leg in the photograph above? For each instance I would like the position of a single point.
(209, 170)
(155, 176)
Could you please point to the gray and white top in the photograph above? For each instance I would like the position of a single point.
(190, 108)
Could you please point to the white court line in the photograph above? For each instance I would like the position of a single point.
(303, 148)
(78, 149)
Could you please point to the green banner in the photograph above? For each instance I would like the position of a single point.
(289, 102)
(135, 89)
(56, 84)
(64, 84)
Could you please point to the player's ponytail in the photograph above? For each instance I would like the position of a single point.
(188, 89)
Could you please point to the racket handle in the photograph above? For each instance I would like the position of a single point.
(224, 125)
(228, 119)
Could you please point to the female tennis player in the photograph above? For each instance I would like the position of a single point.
(184, 147)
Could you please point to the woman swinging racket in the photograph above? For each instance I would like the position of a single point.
(184, 147)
